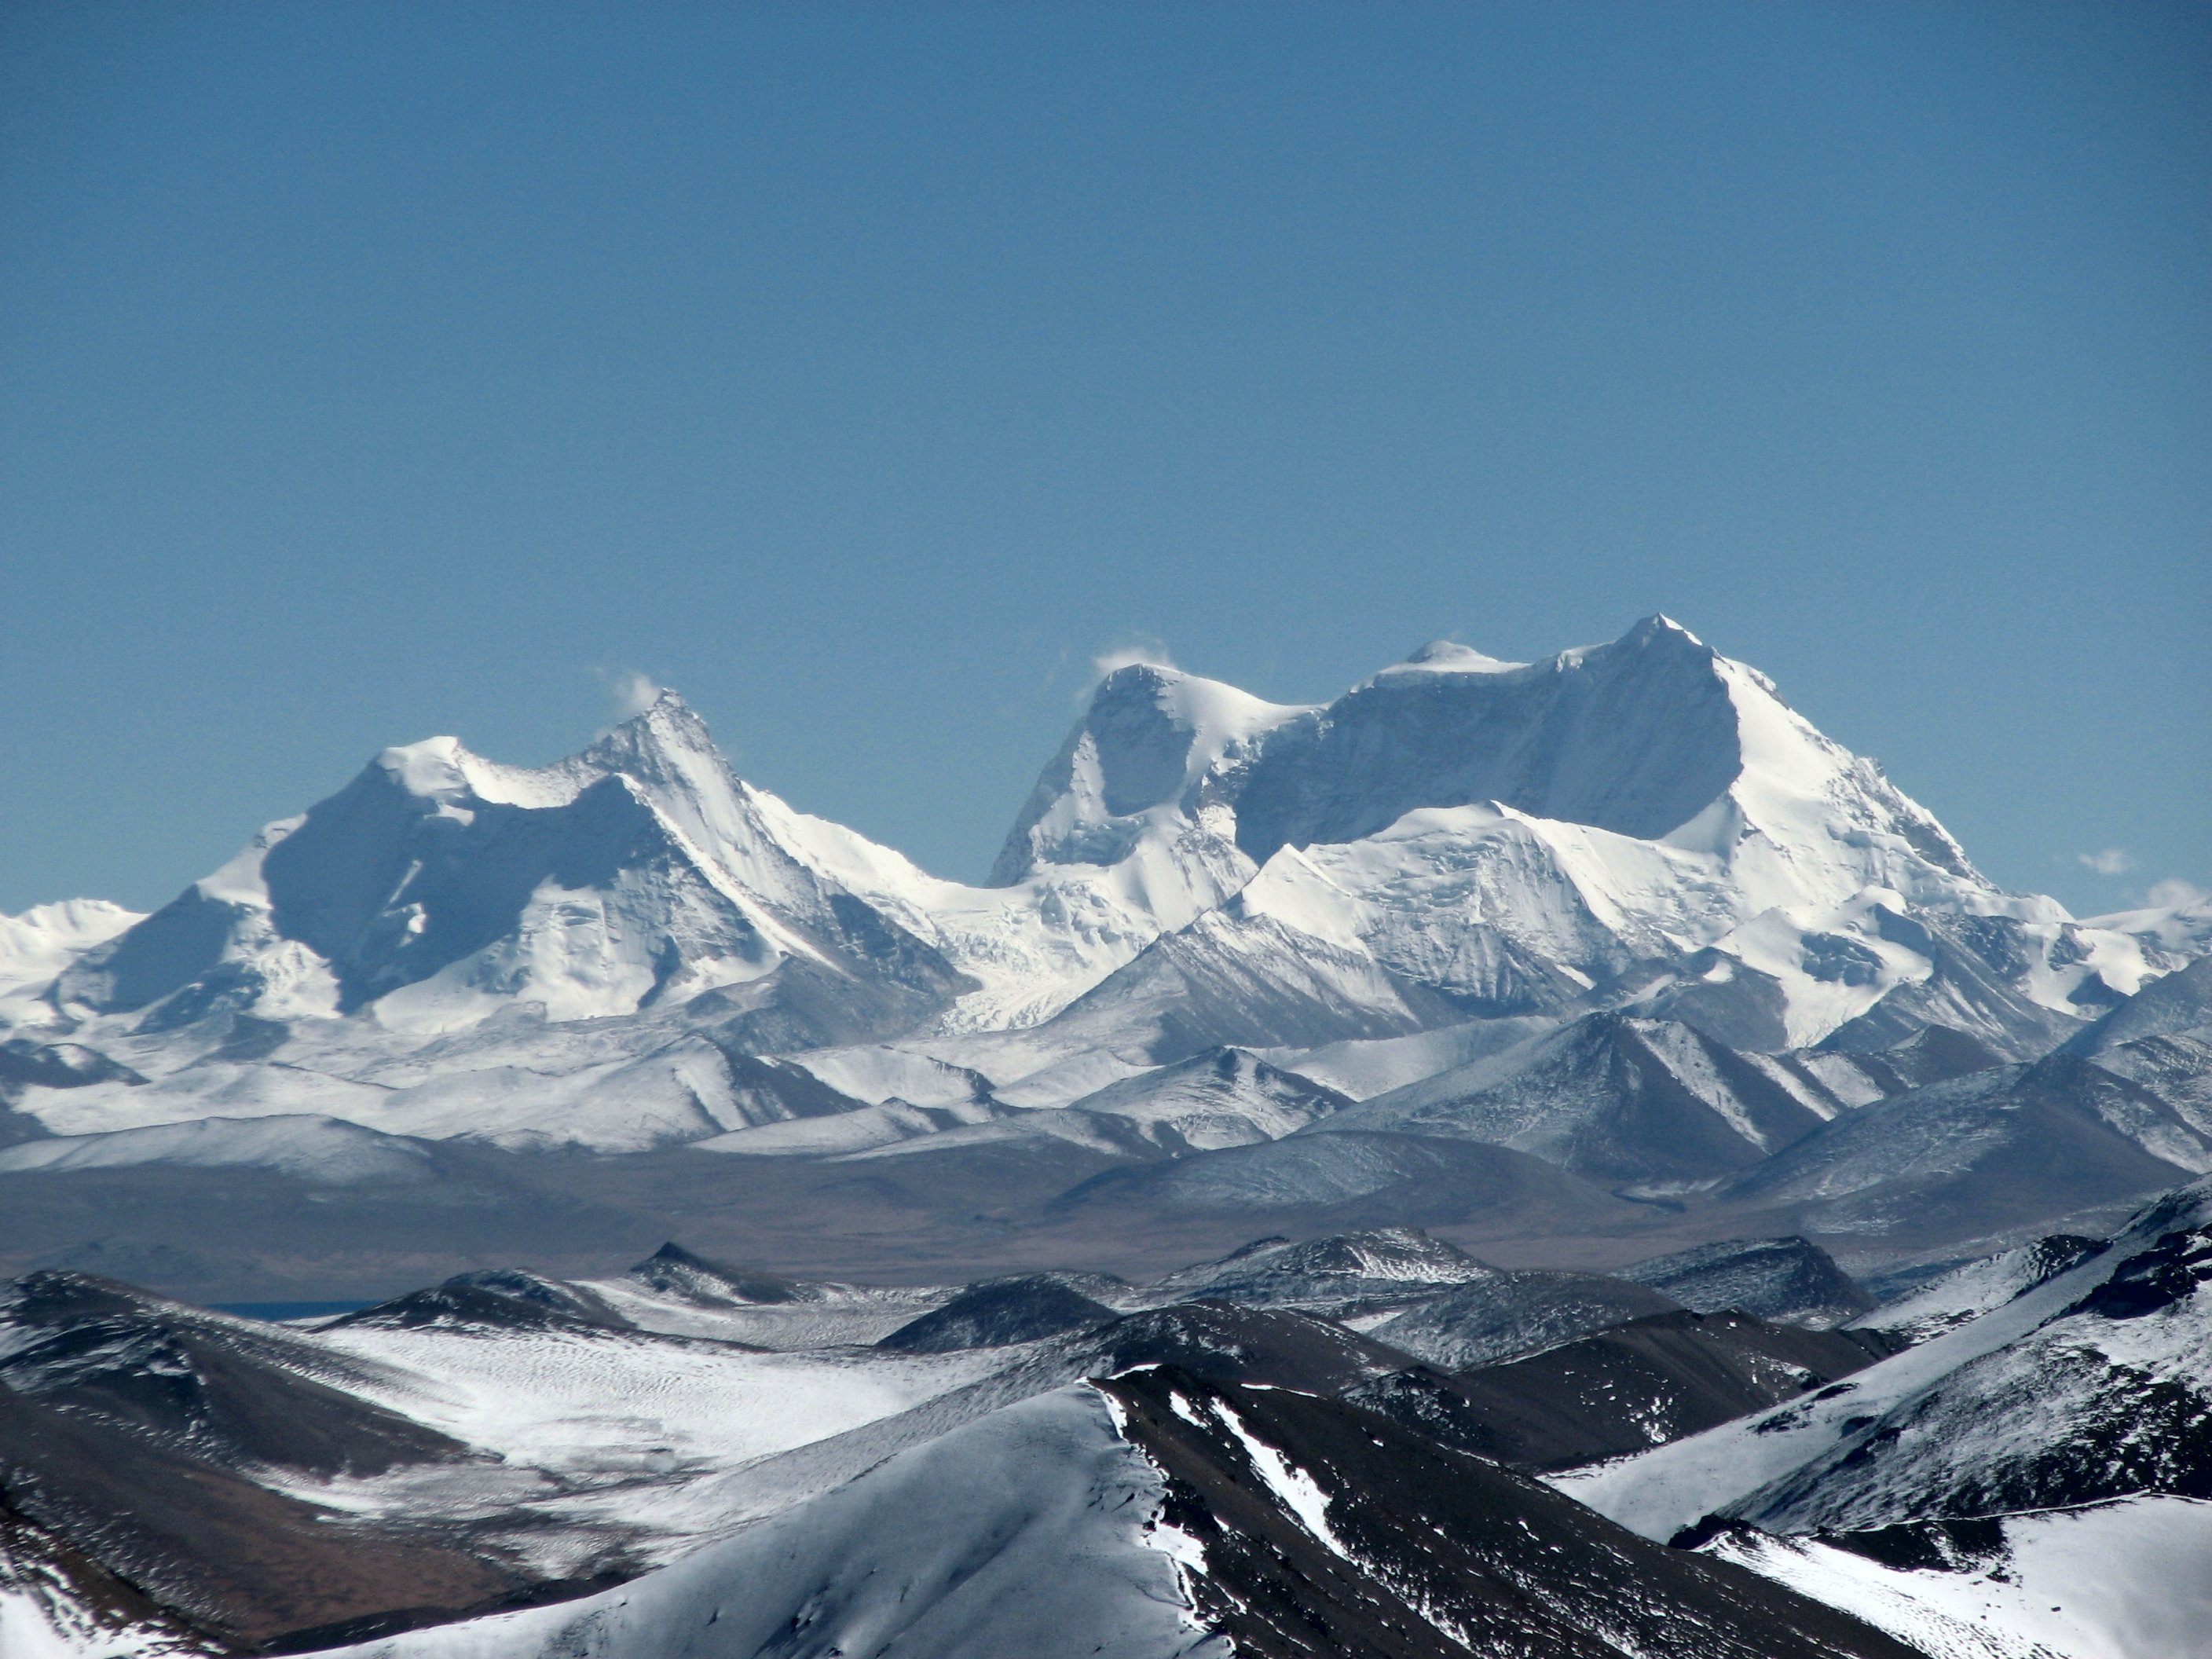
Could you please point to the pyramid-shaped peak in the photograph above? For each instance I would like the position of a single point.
(668, 736)
(667, 713)
(667, 705)
(1661, 627)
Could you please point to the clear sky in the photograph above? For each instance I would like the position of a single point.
(377, 370)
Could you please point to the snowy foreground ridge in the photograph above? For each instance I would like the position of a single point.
(1237, 1475)
(1551, 1159)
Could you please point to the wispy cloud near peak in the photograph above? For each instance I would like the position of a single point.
(631, 692)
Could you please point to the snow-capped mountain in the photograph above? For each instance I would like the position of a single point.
(1608, 957)
(439, 887)
(1647, 819)
(630, 947)
(1154, 765)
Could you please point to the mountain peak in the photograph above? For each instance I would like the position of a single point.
(666, 738)
(1659, 625)
(667, 708)
(1650, 735)
(1122, 679)
(1151, 739)
(435, 767)
(1450, 656)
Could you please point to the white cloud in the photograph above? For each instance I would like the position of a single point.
(631, 692)
(2112, 861)
(2178, 893)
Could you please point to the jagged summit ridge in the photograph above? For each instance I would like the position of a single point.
(1652, 736)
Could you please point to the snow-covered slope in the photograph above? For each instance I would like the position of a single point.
(1226, 1098)
(1617, 1389)
(2177, 1006)
(680, 1294)
(1009, 1535)
(321, 1150)
(45, 938)
(1977, 1287)
(1623, 1099)
(1325, 1182)
(2177, 930)
(2176, 1069)
(55, 1604)
(447, 1449)
(1345, 1274)
(2109, 1580)
(2085, 1388)
(1159, 1516)
(609, 1085)
(1364, 1067)
(1994, 1150)
(1505, 1314)
(607, 1442)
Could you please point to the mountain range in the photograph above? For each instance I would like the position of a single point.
(1556, 1156)
(1621, 910)
(1642, 826)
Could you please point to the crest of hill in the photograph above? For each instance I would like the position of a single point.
(2177, 1005)
(1504, 1314)
(1792, 1280)
(999, 1313)
(1341, 1274)
(672, 1270)
(1624, 1389)
(2079, 1381)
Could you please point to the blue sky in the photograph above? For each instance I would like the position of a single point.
(865, 372)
